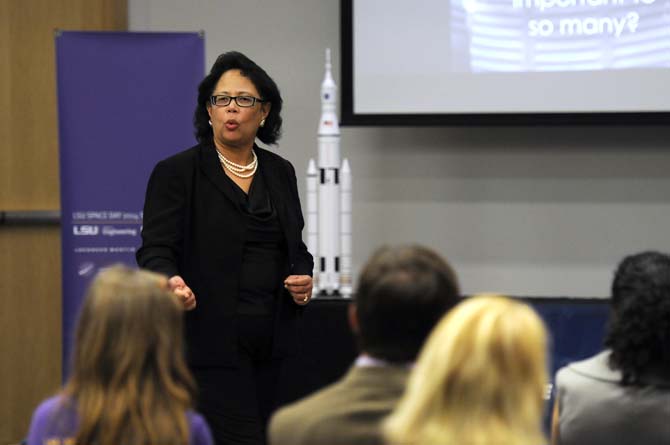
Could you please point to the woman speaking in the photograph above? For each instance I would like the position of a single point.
(223, 221)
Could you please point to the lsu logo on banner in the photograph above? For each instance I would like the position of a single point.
(85, 230)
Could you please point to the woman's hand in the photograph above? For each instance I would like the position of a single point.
(183, 292)
(300, 287)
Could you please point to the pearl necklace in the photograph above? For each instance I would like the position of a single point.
(237, 169)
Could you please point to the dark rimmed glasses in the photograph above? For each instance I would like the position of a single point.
(242, 101)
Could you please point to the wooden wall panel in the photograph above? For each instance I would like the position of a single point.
(5, 88)
(30, 324)
(30, 272)
(32, 150)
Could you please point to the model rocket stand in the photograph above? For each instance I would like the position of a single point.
(329, 201)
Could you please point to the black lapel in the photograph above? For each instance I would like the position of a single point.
(274, 176)
(211, 167)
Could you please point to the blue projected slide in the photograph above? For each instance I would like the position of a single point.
(559, 35)
(510, 56)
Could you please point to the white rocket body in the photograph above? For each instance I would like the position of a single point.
(329, 229)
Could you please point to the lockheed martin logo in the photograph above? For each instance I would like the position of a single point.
(85, 230)
(86, 269)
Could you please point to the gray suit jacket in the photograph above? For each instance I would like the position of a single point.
(347, 412)
(595, 409)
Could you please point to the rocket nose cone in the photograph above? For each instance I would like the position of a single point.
(311, 167)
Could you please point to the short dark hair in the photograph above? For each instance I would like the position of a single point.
(267, 88)
(638, 332)
(402, 293)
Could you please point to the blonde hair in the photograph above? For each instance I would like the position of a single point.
(129, 381)
(479, 379)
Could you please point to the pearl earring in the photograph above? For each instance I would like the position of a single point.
(263, 123)
(210, 123)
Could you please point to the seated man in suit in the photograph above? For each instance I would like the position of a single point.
(402, 293)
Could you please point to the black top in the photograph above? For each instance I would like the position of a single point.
(264, 254)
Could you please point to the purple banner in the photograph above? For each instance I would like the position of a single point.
(125, 101)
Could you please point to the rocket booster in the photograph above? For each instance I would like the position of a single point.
(312, 212)
(345, 230)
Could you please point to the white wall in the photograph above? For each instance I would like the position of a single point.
(529, 211)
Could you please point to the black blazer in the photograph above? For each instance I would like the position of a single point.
(194, 228)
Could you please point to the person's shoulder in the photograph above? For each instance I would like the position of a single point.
(592, 368)
(43, 422)
(310, 406)
(48, 407)
(306, 407)
(200, 432)
(183, 157)
(336, 414)
(320, 407)
(195, 419)
(267, 155)
(178, 165)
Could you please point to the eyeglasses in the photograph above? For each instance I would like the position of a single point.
(241, 101)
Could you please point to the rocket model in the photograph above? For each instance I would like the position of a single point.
(329, 201)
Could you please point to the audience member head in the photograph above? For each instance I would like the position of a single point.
(402, 292)
(270, 132)
(479, 379)
(639, 329)
(129, 380)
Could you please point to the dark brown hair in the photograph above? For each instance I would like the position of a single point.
(402, 292)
